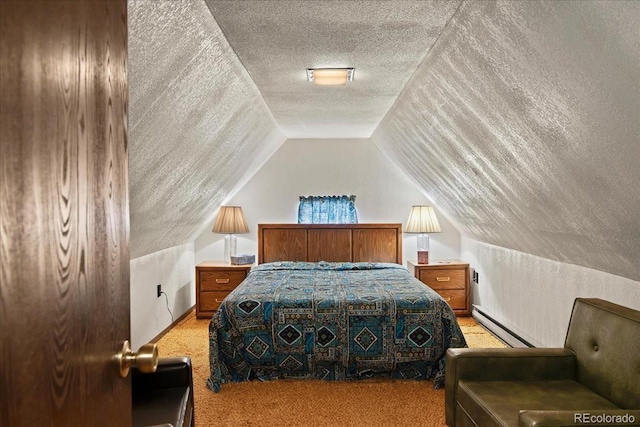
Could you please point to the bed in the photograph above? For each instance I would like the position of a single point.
(331, 302)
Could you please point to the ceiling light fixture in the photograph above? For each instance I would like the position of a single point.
(330, 76)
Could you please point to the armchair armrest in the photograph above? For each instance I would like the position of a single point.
(503, 364)
(172, 372)
(579, 417)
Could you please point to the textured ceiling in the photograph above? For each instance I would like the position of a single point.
(523, 124)
(521, 121)
(277, 41)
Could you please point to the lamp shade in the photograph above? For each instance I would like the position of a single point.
(422, 219)
(230, 220)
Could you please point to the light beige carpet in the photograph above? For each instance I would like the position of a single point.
(368, 403)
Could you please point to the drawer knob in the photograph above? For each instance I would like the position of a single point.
(222, 280)
(447, 299)
(443, 279)
(219, 300)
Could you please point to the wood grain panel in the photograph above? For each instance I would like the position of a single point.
(329, 245)
(64, 290)
(375, 242)
(283, 245)
(375, 245)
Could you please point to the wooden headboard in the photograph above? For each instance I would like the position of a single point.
(330, 242)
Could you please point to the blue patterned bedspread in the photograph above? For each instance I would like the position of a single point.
(331, 321)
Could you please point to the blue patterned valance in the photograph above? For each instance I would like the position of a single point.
(327, 210)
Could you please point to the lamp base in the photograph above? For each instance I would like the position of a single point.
(230, 246)
(423, 257)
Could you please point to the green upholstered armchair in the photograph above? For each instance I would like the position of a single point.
(593, 380)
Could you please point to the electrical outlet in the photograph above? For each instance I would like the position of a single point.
(476, 277)
(159, 290)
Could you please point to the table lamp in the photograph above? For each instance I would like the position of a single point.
(230, 221)
(422, 220)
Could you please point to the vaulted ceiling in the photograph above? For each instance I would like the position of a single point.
(520, 119)
(385, 41)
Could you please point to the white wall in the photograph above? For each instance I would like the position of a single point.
(174, 269)
(533, 296)
(303, 167)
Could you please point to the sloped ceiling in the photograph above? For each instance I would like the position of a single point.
(523, 123)
(521, 119)
(197, 123)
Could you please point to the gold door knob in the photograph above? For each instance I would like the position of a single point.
(145, 359)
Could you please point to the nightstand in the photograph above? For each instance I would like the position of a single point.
(449, 278)
(214, 281)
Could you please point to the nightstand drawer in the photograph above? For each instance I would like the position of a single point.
(210, 301)
(444, 278)
(456, 299)
(221, 280)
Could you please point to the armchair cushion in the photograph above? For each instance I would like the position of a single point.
(507, 398)
(518, 364)
(154, 407)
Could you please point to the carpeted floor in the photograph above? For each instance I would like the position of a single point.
(368, 403)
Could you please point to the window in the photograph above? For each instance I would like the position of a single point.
(327, 210)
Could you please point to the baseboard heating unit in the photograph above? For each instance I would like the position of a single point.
(498, 329)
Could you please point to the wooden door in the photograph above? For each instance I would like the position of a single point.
(64, 214)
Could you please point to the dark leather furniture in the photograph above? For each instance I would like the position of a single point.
(165, 397)
(594, 378)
